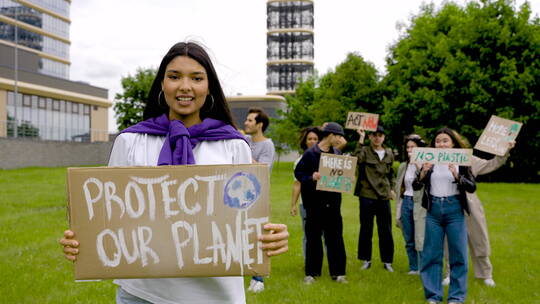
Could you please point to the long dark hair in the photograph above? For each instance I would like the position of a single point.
(453, 135)
(304, 134)
(216, 109)
(415, 138)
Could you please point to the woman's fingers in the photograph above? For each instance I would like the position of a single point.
(276, 242)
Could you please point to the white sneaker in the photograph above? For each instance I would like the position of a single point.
(366, 265)
(256, 286)
(489, 282)
(446, 281)
(308, 280)
(388, 267)
(413, 272)
(341, 279)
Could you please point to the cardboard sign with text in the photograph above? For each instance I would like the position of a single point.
(497, 134)
(169, 221)
(460, 157)
(360, 120)
(337, 173)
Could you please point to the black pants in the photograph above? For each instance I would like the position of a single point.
(370, 208)
(324, 219)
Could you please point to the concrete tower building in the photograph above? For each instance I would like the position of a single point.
(37, 99)
(290, 44)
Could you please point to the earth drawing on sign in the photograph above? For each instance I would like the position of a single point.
(241, 190)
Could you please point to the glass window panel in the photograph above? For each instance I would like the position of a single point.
(56, 105)
(41, 103)
(11, 98)
(74, 108)
(27, 101)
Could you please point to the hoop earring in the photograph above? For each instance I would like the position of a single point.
(159, 101)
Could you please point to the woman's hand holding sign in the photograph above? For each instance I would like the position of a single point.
(71, 246)
(276, 242)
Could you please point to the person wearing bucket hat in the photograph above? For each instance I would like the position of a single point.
(374, 187)
(323, 211)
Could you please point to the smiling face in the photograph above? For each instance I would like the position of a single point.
(185, 87)
(444, 141)
(250, 125)
(311, 139)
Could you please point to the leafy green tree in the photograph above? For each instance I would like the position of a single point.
(352, 86)
(457, 66)
(129, 105)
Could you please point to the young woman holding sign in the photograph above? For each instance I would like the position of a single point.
(323, 211)
(477, 229)
(409, 211)
(445, 188)
(186, 121)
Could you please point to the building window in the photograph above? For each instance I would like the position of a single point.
(75, 108)
(56, 105)
(27, 101)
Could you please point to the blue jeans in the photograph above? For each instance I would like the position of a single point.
(407, 223)
(445, 218)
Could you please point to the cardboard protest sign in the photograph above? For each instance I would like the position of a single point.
(337, 173)
(169, 221)
(360, 120)
(460, 157)
(497, 134)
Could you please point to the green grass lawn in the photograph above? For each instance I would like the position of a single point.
(33, 270)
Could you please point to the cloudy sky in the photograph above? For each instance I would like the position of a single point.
(111, 39)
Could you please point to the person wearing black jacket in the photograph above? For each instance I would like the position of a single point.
(323, 211)
(445, 201)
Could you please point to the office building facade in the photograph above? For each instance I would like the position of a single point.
(37, 99)
(290, 39)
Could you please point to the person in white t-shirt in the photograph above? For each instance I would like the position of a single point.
(444, 198)
(186, 121)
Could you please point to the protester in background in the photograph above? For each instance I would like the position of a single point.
(409, 203)
(187, 121)
(263, 151)
(478, 238)
(445, 201)
(262, 147)
(323, 211)
(374, 187)
(340, 142)
(310, 137)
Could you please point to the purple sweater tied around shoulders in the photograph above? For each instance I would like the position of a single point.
(179, 140)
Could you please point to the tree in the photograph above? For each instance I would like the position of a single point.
(129, 106)
(457, 66)
(353, 86)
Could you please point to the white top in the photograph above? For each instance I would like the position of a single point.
(410, 175)
(134, 149)
(380, 153)
(443, 182)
